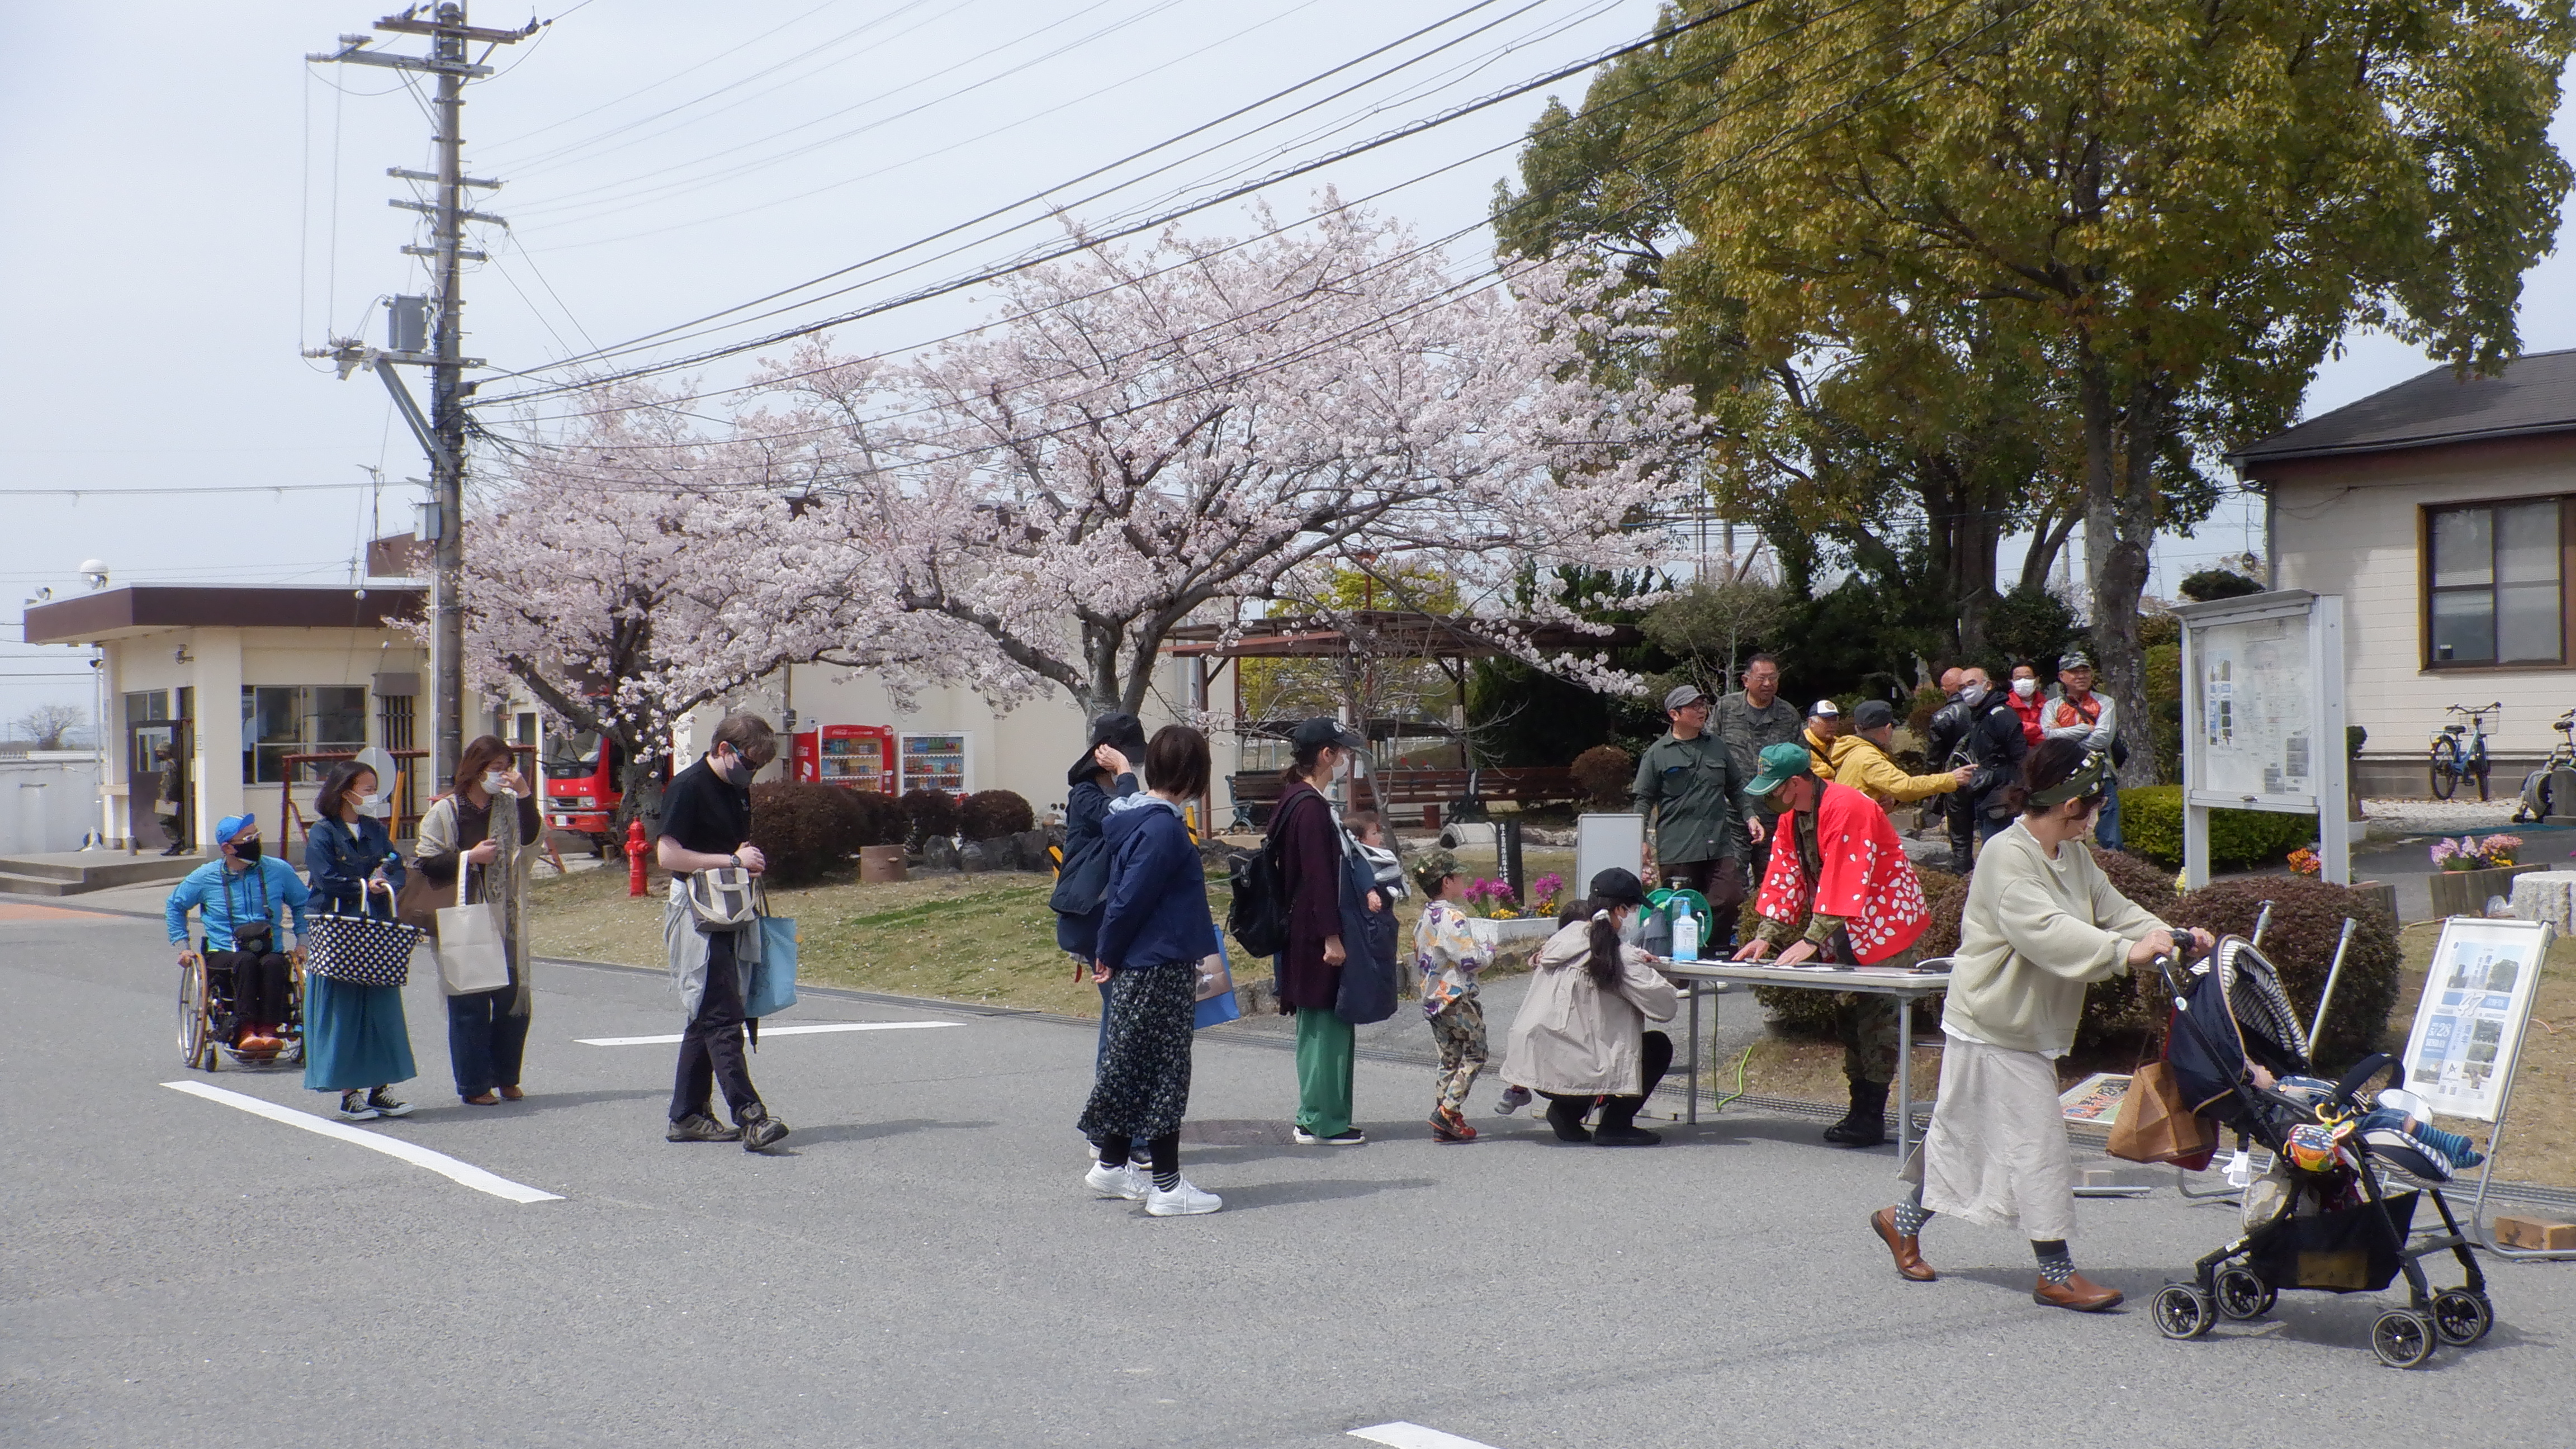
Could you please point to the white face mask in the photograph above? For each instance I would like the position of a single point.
(1632, 926)
(2025, 687)
(1972, 694)
(494, 782)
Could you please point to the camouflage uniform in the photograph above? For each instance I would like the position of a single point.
(1459, 1032)
(1867, 1024)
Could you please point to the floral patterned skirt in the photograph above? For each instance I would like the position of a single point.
(1142, 1088)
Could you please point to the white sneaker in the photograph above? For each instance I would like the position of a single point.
(1122, 1181)
(1182, 1201)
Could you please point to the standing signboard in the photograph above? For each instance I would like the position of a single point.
(2468, 1031)
(2263, 719)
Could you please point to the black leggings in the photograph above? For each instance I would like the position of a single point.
(1654, 1058)
(1166, 1150)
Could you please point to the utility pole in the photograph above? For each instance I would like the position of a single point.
(442, 433)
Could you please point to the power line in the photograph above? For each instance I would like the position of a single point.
(1455, 292)
(1031, 199)
(1531, 200)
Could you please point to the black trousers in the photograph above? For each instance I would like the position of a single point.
(711, 1045)
(1654, 1058)
(486, 1045)
(254, 985)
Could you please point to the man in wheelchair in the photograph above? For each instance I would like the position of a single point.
(236, 896)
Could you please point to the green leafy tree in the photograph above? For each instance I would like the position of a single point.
(2170, 210)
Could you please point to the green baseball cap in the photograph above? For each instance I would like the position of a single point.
(1432, 868)
(1781, 763)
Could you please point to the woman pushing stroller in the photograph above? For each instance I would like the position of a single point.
(2042, 923)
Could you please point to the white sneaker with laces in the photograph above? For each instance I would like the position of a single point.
(1122, 1181)
(1182, 1201)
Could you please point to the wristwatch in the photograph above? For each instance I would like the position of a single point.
(736, 858)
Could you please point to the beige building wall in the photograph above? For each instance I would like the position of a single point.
(2354, 527)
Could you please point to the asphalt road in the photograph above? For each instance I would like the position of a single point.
(924, 1268)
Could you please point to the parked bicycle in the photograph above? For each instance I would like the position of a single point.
(2459, 752)
(2539, 794)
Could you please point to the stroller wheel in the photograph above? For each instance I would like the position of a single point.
(2403, 1338)
(2182, 1311)
(2243, 1294)
(2462, 1317)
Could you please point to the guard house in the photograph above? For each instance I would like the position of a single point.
(2443, 510)
(238, 684)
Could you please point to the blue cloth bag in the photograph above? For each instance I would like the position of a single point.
(1217, 1004)
(773, 981)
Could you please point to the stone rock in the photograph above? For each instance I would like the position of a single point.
(977, 855)
(1030, 847)
(939, 853)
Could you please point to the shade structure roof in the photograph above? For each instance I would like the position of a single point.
(1389, 633)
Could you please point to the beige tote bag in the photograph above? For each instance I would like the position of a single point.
(470, 955)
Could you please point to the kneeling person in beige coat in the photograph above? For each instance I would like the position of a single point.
(1582, 1032)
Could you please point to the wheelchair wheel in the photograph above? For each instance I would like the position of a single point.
(2182, 1311)
(2403, 1338)
(2462, 1317)
(196, 1049)
(2242, 1294)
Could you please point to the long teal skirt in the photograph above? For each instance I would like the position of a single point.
(354, 1036)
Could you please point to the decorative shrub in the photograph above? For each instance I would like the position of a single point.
(2307, 915)
(929, 813)
(798, 827)
(1603, 773)
(2151, 826)
(2143, 881)
(988, 813)
(868, 818)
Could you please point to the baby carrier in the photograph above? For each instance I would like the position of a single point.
(2322, 1218)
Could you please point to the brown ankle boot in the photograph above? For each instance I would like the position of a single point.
(1908, 1250)
(2078, 1292)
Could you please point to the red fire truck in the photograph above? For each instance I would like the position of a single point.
(583, 773)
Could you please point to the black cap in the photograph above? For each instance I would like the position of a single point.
(1117, 729)
(1320, 731)
(1620, 886)
(1872, 714)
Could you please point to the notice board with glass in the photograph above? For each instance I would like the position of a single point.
(2263, 717)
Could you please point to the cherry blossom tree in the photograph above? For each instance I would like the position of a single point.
(641, 569)
(1153, 434)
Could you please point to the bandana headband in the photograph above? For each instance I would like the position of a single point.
(2086, 780)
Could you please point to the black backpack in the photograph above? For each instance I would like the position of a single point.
(1258, 918)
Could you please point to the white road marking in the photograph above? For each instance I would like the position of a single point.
(1401, 1435)
(770, 1031)
(438, 1162)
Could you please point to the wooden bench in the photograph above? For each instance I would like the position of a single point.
(1422, 793)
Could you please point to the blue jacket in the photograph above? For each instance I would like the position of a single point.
(222, 897)
(1157, 911)
(1086, 811)
(340, 857)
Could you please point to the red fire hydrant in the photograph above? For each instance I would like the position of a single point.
(635, 857)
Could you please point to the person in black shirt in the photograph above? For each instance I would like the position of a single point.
(706, 824)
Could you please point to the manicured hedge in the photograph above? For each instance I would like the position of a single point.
(868, 818)
(988, 813)
(798, 827)
(930, 813)
(1603, 773)
(2151, 826)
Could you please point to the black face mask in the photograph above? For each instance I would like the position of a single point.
(248, 850)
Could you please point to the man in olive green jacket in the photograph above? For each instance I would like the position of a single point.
(1688, 786)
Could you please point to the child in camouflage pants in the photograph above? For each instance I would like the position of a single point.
(1448, 954)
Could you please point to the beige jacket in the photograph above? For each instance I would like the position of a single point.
(2036, 932)
(1573, 1038)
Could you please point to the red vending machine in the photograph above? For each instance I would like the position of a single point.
(803, 763)
(855, 757)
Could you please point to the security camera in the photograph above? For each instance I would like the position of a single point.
(94, 573)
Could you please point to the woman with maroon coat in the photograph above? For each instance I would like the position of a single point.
(1315, 877)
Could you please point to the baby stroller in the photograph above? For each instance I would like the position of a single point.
(2320, 1219)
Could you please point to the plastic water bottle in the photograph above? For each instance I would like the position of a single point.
(1685, 934)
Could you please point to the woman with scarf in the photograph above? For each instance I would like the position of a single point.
(355, 1039)
(2042, 923)
(1581, 1032)
(497, 849)
(1327, 920)
(1154, 931)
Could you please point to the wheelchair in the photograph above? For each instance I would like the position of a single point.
(209, 1030)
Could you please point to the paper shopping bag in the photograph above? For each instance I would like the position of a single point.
(470, 954)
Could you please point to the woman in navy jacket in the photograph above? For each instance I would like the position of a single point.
(356, 1042)
(1154, 931)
